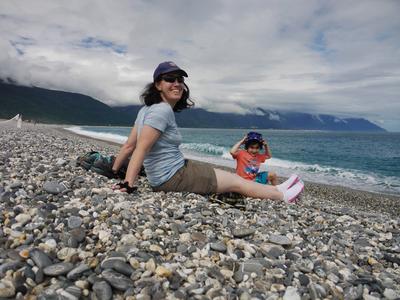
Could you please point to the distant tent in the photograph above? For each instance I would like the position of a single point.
(19, 121)
(17, 118)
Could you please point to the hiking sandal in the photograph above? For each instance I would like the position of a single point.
(125, 185)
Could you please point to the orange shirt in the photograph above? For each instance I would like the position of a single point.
(247, 165)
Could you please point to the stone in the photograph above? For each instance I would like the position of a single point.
(23, 219)
(272, 251)
(304, 280)
(58, 269)
(391, 294)
(122, 267)
(218, 246)
(102, 290)
(252, 267)
(354, 292)
(7, 289)
(198, 236)
(53, 187)
(77, 271)
(40, 258)
(291, 294)
(242, 232)
(163, 271)
(280, 240)
(74, 222)
(117, 280)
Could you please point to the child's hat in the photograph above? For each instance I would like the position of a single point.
(253, 137)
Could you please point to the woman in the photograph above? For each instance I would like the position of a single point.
(154, 142)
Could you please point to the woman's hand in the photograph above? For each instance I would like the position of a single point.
(243, 140)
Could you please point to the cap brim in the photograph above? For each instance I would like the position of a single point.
(176, 70)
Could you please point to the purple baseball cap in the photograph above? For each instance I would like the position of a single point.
(166, 67)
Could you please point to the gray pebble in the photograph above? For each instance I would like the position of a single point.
(58, 269)
(53, 187)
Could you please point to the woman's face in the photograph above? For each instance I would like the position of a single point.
(171, 87)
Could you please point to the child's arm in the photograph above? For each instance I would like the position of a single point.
(235, 148)
(268, 152)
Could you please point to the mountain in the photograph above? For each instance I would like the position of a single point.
(50, 106)
(264, 119)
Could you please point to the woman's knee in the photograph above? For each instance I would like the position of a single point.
(227, 182)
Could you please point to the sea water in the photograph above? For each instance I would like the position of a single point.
(361, 160)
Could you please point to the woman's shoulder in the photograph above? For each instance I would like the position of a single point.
(162, 107)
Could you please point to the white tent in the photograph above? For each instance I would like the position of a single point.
(17, 119)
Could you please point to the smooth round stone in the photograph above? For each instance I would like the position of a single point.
(76, 272)
(117, 280)
(291, 294)
(40, 258)
(74, 222)
(110, 262)
(74, 291)
(280, 240)
(122, 267)
(7, 289)
(242, 232)
(23, 218)
(272, 251)
(391, 294)
(51, 244)
(252, 267)
(78, 234)
(16, 185)
(304, 280)
(58, 269)
(53, 187)
(218, 246)
(40, 169)
(198, 236)
(102, 290)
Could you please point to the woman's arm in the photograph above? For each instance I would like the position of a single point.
(126, 150)
(235, 148)
(145, 142)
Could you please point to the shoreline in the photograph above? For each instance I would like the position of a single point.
(365, 200)
(64, 233)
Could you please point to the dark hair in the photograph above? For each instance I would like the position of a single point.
(151, 95)
(251, 143)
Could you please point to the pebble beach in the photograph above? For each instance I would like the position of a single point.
(65, 234)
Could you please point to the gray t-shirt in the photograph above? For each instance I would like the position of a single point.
(164, 158)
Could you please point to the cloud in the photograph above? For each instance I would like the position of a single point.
(311, 56)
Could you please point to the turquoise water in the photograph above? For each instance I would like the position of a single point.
(367, 161)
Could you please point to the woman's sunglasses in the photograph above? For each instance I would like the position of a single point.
(172, 78)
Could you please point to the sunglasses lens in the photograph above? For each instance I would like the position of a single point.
(171, 79)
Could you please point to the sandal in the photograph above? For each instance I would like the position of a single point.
(125, 185)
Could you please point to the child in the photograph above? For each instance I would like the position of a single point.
(249, 160)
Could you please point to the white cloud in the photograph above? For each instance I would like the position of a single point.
(311, 56)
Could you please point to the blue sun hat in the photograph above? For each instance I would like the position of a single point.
(252, 137)
(167, 67)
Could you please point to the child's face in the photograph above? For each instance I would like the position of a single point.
(253, 149)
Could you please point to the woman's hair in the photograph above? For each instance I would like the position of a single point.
(151, 95)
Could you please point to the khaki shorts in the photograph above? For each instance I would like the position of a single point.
(194, 177)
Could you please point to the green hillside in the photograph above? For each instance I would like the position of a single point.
(48, 106)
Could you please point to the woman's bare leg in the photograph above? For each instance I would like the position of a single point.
(229, 182)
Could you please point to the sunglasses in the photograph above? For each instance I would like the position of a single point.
(172, 78)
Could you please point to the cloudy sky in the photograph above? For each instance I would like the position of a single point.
(336, 57)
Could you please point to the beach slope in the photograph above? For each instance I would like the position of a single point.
(65, 234)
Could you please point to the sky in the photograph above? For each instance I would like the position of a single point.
(321, 57)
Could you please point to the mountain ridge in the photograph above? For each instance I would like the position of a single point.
(52, 106)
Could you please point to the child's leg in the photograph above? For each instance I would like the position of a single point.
(272, 178)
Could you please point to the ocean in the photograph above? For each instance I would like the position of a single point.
(362, 160)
